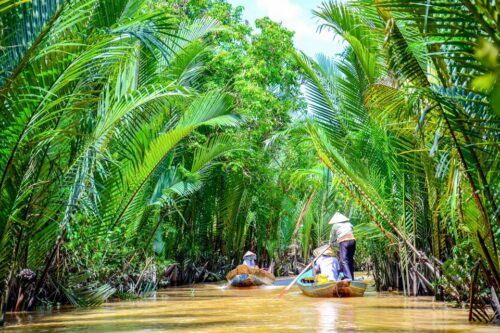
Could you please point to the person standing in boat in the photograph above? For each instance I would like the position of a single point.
(249, 259)
(342, 234)
(326, 264)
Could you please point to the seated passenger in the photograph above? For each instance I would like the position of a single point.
(327, 264)
(249, 259)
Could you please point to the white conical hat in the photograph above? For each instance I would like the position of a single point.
(249, 254)
(338, 218)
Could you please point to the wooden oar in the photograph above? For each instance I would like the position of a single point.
(300, 274)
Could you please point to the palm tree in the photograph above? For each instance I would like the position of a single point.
(400, 119)
(95, 97)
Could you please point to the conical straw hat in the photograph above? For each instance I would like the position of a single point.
(249, 254)
(338, 218)
(328, 252)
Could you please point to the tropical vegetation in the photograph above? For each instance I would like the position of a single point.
(406, 118)
(150, 143)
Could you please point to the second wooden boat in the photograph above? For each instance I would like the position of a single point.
(344, 288)
(249, 280)
(243, 276)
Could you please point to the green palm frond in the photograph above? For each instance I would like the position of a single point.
(350, 25)
(211, 109)
(24, 24)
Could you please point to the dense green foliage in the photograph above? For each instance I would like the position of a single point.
(117, 155)
(93, 116)
(145, 143)
(406, 119)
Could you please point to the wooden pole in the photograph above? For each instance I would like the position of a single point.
(472, 290)
(303, 212)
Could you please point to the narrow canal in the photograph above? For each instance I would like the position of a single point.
(213, 308)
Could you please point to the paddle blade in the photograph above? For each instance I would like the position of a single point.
(282, 293)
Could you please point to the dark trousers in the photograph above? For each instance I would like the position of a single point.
(347, 249)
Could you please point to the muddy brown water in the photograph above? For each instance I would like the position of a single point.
(214, 308)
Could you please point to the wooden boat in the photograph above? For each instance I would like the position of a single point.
(249, 280)
(244, 276)
(330, 289)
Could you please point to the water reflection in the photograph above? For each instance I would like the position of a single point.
(328, 315)
(210, 308)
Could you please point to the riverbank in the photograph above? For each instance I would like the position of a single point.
(215, 308)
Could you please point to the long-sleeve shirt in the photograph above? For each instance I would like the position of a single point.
(250, 262)
(328, 266)
(340, 230)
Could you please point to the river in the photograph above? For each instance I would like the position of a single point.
(213, 308)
